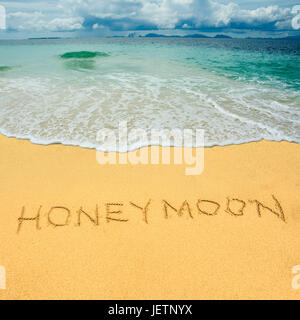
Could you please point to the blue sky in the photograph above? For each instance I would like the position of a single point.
(79, 18)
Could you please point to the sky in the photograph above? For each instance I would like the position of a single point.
(84, 18)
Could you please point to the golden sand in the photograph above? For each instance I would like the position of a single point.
(223, 242)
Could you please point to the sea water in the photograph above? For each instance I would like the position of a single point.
(66, 90)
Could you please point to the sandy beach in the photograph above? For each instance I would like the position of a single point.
(149, 231)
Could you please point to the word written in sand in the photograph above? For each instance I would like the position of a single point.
(60, 216)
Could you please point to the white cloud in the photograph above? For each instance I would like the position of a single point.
(37, 21)
(65, 24)
(70, 15)
(98, 26)
(25, 20)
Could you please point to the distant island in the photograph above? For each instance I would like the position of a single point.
(45, 38)
(218, 36)
(196, 35)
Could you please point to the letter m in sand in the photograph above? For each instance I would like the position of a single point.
(2, 18)
(2, 278)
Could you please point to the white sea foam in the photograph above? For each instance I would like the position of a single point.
(47, 100)
(50, 111)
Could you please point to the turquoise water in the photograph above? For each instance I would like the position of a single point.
(64, 91)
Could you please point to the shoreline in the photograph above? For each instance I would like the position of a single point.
(146, 146)
(149, 231)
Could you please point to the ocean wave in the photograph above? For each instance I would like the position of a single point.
(80, 65)
(5, 68)
(83, 55)
(48, 111)
(47, 100)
